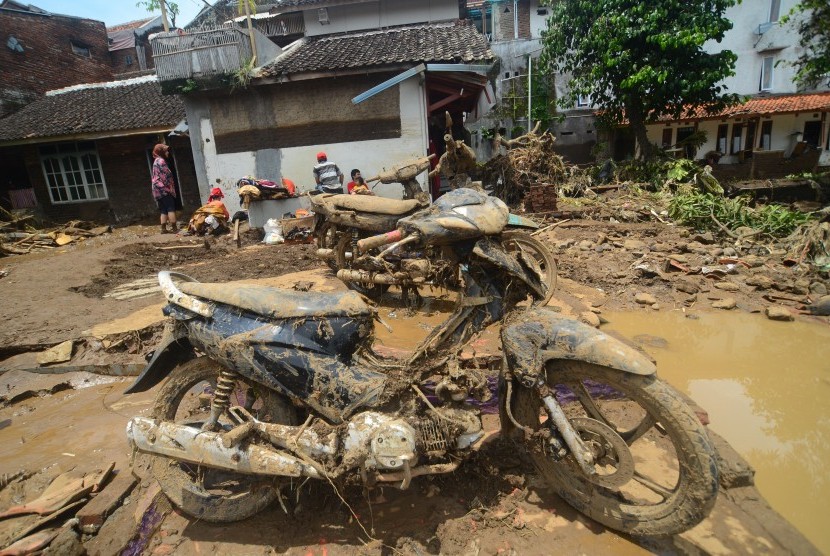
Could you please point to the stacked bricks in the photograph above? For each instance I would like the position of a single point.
(541, 198)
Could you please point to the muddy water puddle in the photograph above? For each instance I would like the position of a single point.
(765, 385)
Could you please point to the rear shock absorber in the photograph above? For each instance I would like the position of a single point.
(225, 384)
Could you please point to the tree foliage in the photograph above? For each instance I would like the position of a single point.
(812, 19)
(640, 60)
(155, 6)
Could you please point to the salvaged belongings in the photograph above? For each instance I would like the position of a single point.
(250, 189)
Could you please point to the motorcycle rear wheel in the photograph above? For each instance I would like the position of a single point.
(538, 255)
(209, 494)
(673, 476)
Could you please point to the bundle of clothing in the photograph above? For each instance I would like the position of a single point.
(253, 189)
(211, 218)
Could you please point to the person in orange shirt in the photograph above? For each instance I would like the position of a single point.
(211, 217)
(215, 200)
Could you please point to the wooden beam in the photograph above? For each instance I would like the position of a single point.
(443, 102)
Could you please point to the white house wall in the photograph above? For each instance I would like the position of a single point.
(786, 130)
(374, 15)
(296, 163)
(777, 40)
(538, 22)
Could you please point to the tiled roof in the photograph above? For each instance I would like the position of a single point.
(100, 108)
(454, 42)
(777, 104)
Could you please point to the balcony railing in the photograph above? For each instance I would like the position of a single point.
(200, 53)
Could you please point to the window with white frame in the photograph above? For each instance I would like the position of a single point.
(583, 101)
(73, 172)
(766, 73)
(774, 10)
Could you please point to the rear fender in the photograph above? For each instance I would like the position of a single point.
(173, 350)
(533, 338)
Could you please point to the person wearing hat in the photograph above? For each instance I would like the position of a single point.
(211, 217)
(164, 188)
(215, 200)
(328, 176)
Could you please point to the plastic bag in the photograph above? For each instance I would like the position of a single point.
(273, 232)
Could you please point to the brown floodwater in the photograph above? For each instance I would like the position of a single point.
(765, 385)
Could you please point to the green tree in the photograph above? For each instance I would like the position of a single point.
(155, 6)
(813, 24)
(640, 60)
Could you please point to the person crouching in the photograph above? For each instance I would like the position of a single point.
(211, 217)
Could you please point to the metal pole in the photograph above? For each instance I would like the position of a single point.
(529, 91)
(515, 19)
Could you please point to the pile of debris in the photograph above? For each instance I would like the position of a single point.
(19, 237)
(530, 161)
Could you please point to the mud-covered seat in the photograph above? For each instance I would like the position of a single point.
(278, 303)
(372, 204)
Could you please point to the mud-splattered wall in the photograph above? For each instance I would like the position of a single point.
(298, 114)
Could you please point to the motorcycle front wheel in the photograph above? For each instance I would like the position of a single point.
(211, 494)
(538, 255)
(655, 471)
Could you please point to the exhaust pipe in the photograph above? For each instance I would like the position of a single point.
(200, 447)
(367, 277)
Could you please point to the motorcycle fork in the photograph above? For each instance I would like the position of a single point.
(582, 454)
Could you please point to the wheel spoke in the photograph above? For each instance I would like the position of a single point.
(589, 405)
(652, 486)
(635, 434)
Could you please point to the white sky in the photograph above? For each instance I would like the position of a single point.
(113, 12)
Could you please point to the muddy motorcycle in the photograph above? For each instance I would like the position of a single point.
(265, 386)
(341, 221)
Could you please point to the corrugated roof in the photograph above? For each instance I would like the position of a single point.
(453, 42)
(111, 108)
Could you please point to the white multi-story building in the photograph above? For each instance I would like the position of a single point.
(779, 125)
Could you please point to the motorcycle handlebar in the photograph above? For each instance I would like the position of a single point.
(378, 241)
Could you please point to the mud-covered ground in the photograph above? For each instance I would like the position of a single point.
(496, 504)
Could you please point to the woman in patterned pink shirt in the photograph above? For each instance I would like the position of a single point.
(164, 189)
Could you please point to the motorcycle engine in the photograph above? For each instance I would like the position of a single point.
(379, 441)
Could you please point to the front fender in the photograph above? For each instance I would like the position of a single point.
(532, 338)
(173, 349)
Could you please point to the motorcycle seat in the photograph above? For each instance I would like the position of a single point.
(372, 204)
(277, 303)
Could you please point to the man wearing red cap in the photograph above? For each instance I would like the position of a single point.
(328, 176)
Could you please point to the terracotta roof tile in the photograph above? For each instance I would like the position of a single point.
(96, 108)
(777, 104)
(453, 42)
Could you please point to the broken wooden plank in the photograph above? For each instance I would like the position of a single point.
(93, 515)
(46, 519)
